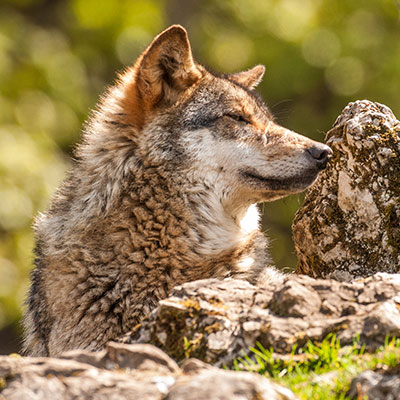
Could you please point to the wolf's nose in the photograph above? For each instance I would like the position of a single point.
(321, 153)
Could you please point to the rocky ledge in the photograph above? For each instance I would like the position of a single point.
(217, 321)
(128, 372)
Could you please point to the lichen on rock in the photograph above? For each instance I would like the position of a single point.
(349, 224)
(233, 315)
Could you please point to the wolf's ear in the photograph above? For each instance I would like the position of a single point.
(166, 67)
(249, 79)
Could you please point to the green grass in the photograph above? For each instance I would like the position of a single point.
(323, 370)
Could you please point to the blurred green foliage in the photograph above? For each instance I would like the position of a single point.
(56, 56)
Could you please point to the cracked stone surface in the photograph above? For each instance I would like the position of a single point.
(216, 321)
(349, 224)
(128, 372)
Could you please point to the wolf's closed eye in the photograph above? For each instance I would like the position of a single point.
(238, 118)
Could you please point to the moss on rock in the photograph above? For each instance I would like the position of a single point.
(348, 226)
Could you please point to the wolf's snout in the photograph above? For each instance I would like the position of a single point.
(321, 154)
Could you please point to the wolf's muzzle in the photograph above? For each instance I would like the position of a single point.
(320, 154)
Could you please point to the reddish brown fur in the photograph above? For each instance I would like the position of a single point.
(144, 86)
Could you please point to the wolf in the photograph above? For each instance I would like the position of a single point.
(163, 190)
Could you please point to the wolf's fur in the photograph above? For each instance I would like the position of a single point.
(162, 191)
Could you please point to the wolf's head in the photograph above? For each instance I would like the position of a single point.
(213, 128)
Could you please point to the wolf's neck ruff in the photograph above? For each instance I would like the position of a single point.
(162, 192)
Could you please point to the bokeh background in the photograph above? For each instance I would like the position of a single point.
(57, 56)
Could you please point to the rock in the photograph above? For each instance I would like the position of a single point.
(193, 366)
(50, 378)
(124, 371)
(119, 372)
(295, 300)
(140, 357)
(217, 384)
(374, 385)
(217, 321)
(349, 224)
